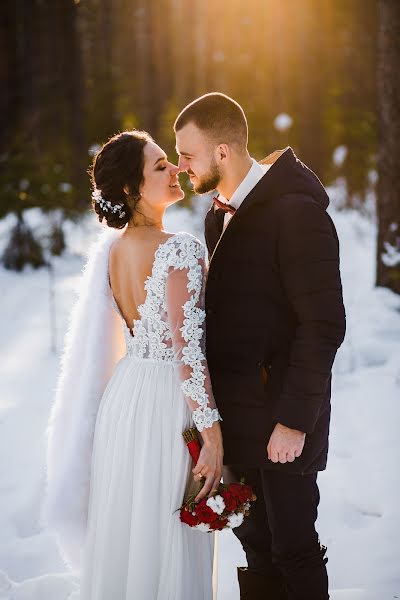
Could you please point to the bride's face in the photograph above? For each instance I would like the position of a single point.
(161, 184)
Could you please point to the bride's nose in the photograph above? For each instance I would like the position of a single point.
(174, 170)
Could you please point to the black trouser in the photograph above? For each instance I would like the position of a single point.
(279, 536)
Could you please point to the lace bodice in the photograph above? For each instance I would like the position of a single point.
(171, 324)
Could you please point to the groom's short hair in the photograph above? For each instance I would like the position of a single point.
(220, 117)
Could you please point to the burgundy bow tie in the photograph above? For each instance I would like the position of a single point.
(225, 207)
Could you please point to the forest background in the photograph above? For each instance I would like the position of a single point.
(320, 75)
(73, 72)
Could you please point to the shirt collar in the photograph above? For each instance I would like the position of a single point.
(256, 172)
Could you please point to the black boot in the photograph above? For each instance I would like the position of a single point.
(254, 586)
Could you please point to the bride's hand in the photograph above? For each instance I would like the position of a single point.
(209, 465)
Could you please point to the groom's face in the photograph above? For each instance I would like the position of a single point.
(197, 158)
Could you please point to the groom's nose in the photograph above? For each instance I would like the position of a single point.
(183, 164)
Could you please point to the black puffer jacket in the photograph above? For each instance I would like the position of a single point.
(275, 315)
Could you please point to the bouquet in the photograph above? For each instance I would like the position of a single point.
(226, 507)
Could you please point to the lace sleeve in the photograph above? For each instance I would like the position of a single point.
(186, 319)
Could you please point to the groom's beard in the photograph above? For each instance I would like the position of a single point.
(209, 181)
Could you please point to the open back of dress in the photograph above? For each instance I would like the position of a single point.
(130, 265)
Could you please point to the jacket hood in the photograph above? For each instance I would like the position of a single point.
(288, 175)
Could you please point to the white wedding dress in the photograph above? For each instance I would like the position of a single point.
(136, 547)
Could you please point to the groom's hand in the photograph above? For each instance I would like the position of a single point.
(285, 444)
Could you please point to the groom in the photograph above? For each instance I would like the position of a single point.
(275, 320)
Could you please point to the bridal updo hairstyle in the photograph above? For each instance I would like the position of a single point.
(118, 165)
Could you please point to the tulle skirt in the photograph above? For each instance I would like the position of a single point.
(137, 548)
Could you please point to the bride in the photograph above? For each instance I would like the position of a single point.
(117, 465)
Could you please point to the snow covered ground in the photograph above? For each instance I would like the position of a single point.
(358, 517)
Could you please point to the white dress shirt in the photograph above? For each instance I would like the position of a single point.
(254, 175)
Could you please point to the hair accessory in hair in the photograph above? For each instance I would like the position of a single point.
(106, 205)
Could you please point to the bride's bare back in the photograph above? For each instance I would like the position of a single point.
(130, 263)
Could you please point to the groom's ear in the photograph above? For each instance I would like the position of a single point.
(223, 152)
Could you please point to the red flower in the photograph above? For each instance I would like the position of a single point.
(242, 492)
(219, 524)
(187, 517)
(204, 513)
(230, 501)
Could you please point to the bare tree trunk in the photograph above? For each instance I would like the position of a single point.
(95, 27)
(183, 14)
(73, 92)
(312, 85)
(9, 97)
(388, 247)
(199, 43)
(146, 72)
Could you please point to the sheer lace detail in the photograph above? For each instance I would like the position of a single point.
(171, 325)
